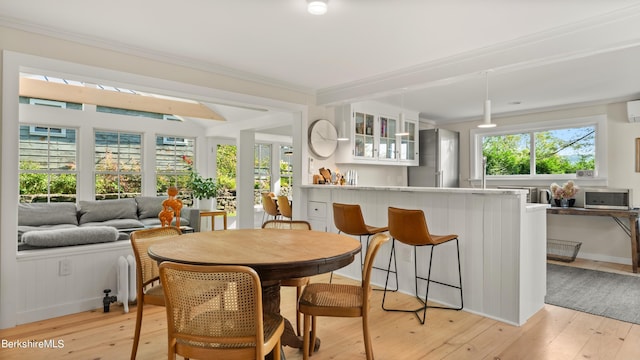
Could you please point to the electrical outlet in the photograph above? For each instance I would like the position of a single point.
(64, 267)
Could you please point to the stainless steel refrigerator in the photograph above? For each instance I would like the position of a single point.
(439, 159)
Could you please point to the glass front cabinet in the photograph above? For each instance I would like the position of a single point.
(363, 129)
(373, 135)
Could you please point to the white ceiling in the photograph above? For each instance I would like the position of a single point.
(428, 55)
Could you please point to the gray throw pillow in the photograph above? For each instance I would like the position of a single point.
(149, 206)
(102, 210)
(37, 214)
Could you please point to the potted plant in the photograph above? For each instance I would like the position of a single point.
(202, 188)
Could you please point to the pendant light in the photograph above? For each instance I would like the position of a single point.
(342, 134)
(486, 123)
(401, 127)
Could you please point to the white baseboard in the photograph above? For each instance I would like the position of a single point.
(605, 258)
(56, 310)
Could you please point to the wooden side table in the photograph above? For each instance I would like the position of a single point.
(212, 214)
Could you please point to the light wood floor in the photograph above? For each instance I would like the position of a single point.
(552, 333)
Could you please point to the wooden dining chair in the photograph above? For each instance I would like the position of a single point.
(204, 323)
(298, 283)
(149, 289)
(285, 207)
(340, 300)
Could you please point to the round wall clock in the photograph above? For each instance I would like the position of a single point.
(323, 138)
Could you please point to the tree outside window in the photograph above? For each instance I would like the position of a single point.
(543, 152)
(226, 164)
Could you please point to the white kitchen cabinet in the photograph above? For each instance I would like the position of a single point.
(317, 215)
(371, 128)
(408, 151)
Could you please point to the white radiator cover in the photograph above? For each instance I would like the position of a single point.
(126, 280)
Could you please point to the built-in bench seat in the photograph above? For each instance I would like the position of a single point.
(47, 225)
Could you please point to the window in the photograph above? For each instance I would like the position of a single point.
(546, 150)
(173, 163)
(286, 172)
(118, 172)
(226, 164)
(47, 164)
(262, 170)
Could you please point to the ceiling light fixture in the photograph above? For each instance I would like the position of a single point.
(317, 7)
(487, 105)
(342, 135)
(401, 128)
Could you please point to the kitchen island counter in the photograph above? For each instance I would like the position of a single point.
(502, 242)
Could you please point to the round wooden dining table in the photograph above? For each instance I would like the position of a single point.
(275, 254)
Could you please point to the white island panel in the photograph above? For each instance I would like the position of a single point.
(502, 244)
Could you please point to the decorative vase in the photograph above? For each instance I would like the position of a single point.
(558, 202)
(571, 202)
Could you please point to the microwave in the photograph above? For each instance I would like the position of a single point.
(617, 199)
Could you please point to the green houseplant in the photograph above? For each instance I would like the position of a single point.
(201, 187)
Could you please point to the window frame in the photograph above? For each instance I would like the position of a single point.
(49, 172)
(598, 121)
(258, 149)
(119, 172)
(159, 139)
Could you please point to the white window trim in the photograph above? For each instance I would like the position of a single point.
(52, 103)
(173, 140)
(46, 131)
(601, 170)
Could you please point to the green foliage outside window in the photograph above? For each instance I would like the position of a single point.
(561, 151)
(226, 163)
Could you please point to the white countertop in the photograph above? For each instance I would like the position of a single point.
(420, 189)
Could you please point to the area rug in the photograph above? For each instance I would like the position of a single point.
(600, 293)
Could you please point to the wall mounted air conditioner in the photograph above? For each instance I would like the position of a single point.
(633, 111)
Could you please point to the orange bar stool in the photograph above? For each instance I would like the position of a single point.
(348, 219)
(410, 228)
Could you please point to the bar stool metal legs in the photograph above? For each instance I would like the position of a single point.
(373, 267)
(421, 312)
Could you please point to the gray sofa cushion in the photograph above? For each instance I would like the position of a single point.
(149, 206)
(37, 214)
(67, 237)
(155, 222)
(102, 210)
(116, 223)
